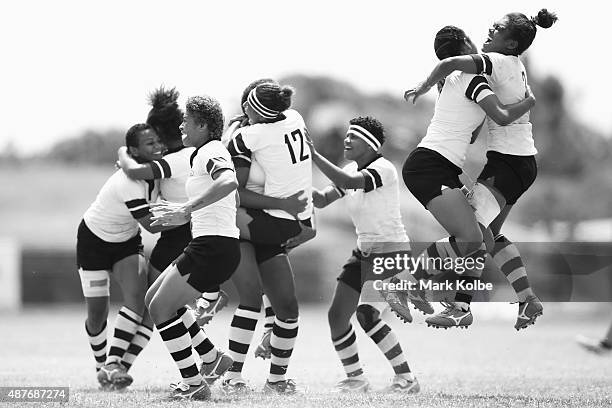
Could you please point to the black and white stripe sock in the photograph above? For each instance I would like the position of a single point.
(382, 335)
(240, 336)
(284, 334)
(97, 342)
(178, 342)
(126, 327)
(269, 319)
(346, 347)
(200, 342)
(139, 342)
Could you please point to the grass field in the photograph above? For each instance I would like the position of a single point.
(488, 365)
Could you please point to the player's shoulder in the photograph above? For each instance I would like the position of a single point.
(384, 167)
(121, 182)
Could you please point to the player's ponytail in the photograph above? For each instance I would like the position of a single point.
(544, 19)
(523, 29)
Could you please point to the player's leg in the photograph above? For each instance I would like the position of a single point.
(172, 293)
(383, 336)
(130, 273)
(278, 284)
(96, 286)
(244, 321)
(597, 346)
(453, 212)
(344, 339)
(145, 329)
(512, 176)
(263, 348)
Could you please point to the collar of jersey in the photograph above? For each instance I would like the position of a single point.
(378, 156)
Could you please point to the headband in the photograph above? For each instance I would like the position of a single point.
(365, 135)
(259, 107)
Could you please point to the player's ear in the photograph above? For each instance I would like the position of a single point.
(511, 44)
(133, 151)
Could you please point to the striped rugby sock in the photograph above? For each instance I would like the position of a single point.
(126, 327)
(139, 342)
(284, 334)
(463, 297)
(178, 342)
(269, 319)
(240, 336)
(382, 335)
(508, 259)
(346, 347)
(97, 342)
(200, 342)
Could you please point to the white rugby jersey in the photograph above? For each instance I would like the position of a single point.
(375, 210)
(120, 202)
(173, 171)
(281, 150)
(218, 218)
(457, 114)
(508, 79)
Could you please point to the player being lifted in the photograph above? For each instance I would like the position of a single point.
(275, 140)
(109, 242)
(511, 165)
(432, 169)
(369, 185)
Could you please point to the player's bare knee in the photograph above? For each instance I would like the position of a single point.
(367, 316)
(288, 309)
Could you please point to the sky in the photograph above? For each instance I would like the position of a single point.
(68, 66)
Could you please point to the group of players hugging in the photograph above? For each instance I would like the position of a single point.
(231, 201)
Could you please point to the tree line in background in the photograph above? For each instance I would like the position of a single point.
(574, 161)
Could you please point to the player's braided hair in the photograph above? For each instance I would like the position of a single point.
(165, 115)
(274, 96)
(207, 111)
(372, 125)
(523, 29)
(449, 42)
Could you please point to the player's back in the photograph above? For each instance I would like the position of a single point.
(456, 116)
(280, 149)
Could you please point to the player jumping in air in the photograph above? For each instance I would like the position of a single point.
(511, 165)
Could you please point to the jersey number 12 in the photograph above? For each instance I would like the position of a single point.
(297, 138)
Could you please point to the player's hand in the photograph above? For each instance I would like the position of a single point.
(318, 199)
(166, 213)
(242, 119)
(416, 92)
(306, 234)
(295, 204)
(529, 95)
(308, 140)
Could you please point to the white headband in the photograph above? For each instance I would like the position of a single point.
(365, 135)
(259, 107)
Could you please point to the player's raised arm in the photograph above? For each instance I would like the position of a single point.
(444, 68)
(133, 169)
(340, 177)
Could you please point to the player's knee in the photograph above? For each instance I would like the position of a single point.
(367, 316)
(335, 317)
(96, 320)
(472, 238)
(288, 309)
